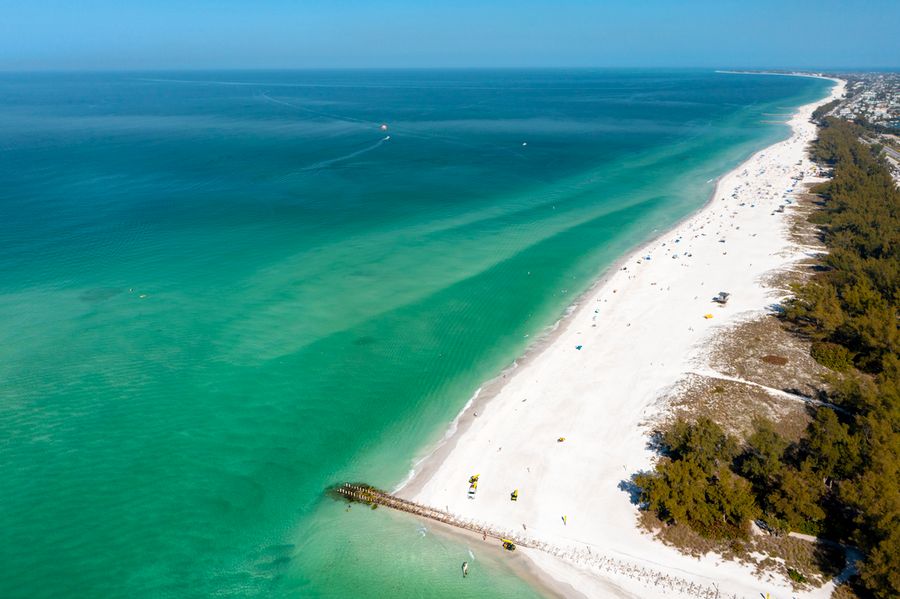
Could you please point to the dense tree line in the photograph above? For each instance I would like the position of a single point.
(820, 112)
(854, 303)
(842, 479)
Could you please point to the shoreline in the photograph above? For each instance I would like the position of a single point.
(442, 463)
(489, 389)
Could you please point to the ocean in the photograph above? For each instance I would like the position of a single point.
(222, 292)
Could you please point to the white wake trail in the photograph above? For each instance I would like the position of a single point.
(331, 161)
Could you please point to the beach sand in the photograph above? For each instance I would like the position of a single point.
(602, 378)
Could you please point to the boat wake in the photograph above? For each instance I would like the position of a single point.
(331, 161)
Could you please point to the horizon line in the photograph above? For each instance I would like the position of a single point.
(746, 69)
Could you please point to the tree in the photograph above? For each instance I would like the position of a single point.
(795, 500)
(704, 441)
(761, 461)
(676, 491)
(734, 498)
(830, 449)
(880, 572)
(694, 485)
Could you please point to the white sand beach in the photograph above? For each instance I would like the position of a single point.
(604, 376)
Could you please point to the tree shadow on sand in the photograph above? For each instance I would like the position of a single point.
(634, 491)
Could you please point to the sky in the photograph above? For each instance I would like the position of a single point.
(223, 34)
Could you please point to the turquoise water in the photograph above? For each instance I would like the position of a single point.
(222, 292)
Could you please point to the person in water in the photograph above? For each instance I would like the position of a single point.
(465, 569)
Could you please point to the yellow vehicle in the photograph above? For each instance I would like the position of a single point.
(508, 545)
(473, 479)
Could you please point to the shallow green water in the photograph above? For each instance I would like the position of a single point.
(222, 292)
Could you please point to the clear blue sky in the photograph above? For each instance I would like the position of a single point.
(192, 34)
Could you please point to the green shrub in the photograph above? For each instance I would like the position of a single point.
(796, 576)
(831, 355)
